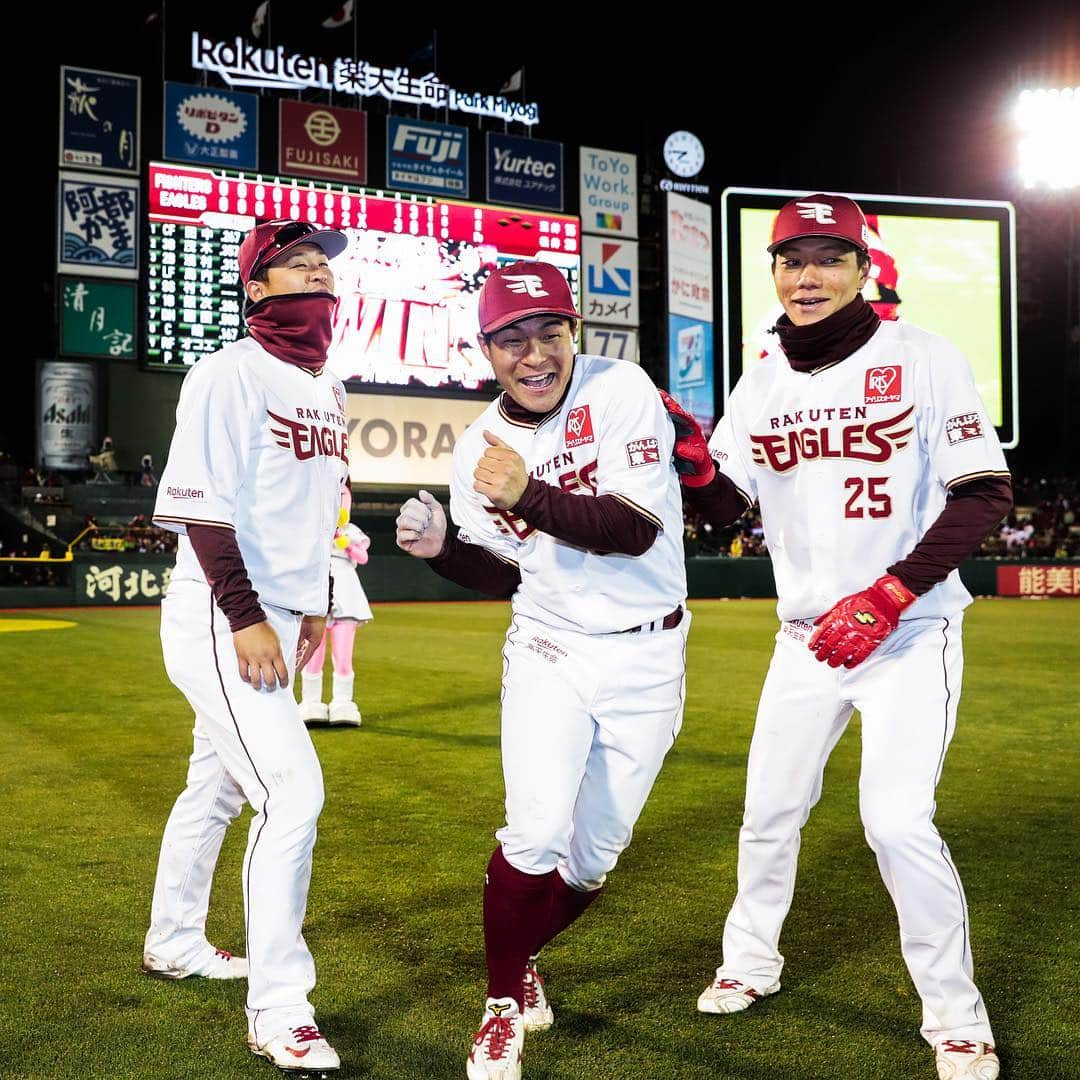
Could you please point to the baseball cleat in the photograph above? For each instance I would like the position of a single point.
(215, 964)
(314, 712)
(726, 995)
(964, 1059)
(344, 712)
(496, 1050)
(299, 1051)
(537, 1014)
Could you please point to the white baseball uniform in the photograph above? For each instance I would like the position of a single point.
(588, 709)
(261, 448)
(850, 466)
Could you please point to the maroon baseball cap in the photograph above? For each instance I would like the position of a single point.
(821, 215)
(522, 290)
(273, 238)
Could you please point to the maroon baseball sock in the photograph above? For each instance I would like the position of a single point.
(566, 905)
(516, 907)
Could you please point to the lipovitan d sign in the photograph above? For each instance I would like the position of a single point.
(609, 192)
(212, 126)
(427, 157)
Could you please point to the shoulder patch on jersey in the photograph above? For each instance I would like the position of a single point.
(579, 429)
(882, 384)
(963, 427)
(643, 452)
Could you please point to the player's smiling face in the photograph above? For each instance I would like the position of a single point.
(815, 277)
(303, 268)
(533, 360)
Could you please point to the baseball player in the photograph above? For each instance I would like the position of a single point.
(565, 498)
(877, 472)
(349, 609)
(252, 486)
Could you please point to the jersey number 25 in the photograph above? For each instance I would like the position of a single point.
(876, 503)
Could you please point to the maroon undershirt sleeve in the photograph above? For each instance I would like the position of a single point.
(971, 512)
(474, 567)
(219, 556)
(604, 524)
(719, 501)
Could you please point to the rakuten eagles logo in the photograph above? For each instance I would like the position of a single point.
(309, 440)
(874, 442)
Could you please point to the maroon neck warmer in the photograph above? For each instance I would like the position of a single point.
(831, 340)
(294, 327)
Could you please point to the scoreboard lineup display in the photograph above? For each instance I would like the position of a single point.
(408, 283)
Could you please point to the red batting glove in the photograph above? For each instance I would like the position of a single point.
(693, 462)
(854, 627)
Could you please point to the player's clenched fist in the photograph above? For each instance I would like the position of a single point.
(500, 473)
(421, 526)
(854, 627)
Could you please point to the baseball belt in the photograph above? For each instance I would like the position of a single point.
(668, 622)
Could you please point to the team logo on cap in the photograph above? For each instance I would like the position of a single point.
(882, 385)
(526, 284)
(578, 427)
(819, 212)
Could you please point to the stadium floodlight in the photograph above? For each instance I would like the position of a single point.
(1049, 122)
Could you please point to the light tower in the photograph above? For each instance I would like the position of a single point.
(1048, 167)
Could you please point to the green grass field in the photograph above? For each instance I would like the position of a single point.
(95, 741)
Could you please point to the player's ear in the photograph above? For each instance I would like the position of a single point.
(255, 290)
(485, 346)
(864, 269)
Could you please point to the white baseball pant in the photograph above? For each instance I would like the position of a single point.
(907, 693)
(249, 746)
(586, 722)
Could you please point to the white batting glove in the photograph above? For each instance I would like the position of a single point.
(421, 526)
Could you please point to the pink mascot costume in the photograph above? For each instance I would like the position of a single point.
(350, 609)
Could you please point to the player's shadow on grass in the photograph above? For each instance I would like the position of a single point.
(448, 704)
(427, 735)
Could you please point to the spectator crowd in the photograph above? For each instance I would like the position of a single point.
(1043, 524)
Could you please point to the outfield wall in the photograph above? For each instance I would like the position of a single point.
(112, 579)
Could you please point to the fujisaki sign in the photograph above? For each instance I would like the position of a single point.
(241, 63)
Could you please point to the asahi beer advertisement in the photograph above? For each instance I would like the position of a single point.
(67, 406)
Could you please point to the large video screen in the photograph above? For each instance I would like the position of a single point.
(408, 283)
(946, 265)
